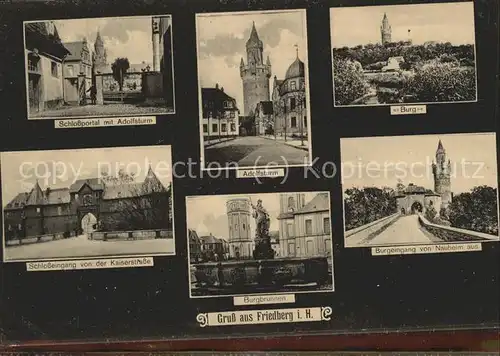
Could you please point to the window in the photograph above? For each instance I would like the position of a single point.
(293, 103)
(328, 246)
(70, 70)
(210, 115)
(76, 196)
(291, 249)
(309, 228)
(54, 69)
(233, 127)
(205, 128)
(225, 104)
(33, 64)
(214, 128)
(223, 127)
(305, 121)
(38, 210)
(309, 248)
(243, 226)
(326, 225)
(291, 202)
(293, 122)
(232, 115)
(59, 210)
(289, 229)
(293, 85)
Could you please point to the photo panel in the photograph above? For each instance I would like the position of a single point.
(420, 190)
(253, 89)
(99, 67)
(87, 203)
(259, 243)
(404, 54)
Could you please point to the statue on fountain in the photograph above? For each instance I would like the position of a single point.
(263, 249)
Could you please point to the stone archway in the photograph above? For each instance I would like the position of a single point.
(88, 223)
(416, 208)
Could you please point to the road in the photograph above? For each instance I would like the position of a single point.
(251, 151)
(405, 230)
(80, 246)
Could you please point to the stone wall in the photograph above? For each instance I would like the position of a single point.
(131, 235)
(36, 239)
(453, 234)
(355, 236)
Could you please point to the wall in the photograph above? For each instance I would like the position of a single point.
(210, 132)
(313, 244)
(131, 235)
(52, 86)
(355, 236)
(153, 85)
(452, 234)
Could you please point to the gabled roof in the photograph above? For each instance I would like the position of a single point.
(319, 203)
(75, 49)
(37, 36)
(215, 94)
(123, 191)
(93, 183)
(18, 202)
(209, 239)
(35, 196)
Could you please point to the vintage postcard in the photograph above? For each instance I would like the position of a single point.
(99, 67)
(259, 243)
(422, 189)
(253, 89)
(87, 203)
(404, 54)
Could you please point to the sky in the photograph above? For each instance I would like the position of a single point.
(221, 40)
(208, 214)
(61, 168)
(381, 161)
(445, 22)
(128, 37)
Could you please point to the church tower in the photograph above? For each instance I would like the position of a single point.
(385, 30)
(441, 170)
(291, 202)
(100, 55)
(255, 74)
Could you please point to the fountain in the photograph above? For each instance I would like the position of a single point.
(261, 271)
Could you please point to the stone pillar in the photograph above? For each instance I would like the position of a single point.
(82, 90)
(156, 44)
(98, 87)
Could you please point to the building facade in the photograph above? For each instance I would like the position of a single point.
(255, 74)
(385, 31)
(89, 205)
(264, 118)
(77, 72)
(289, 101)
(220, 115)
(416, 199)
(194, 246)
(241, 242)
(44, 55)
(305, 227)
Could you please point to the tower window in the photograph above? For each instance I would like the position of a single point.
(243, 226)
(293, 85)
(293, 103)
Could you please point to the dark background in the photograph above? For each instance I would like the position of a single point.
(375, 294)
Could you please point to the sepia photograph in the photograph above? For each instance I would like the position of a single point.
(253, 89)
(404, 54)
(422, 189)
(259, 243)
(99, 67)
(87, 203)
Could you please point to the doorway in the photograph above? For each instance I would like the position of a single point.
(89, 223)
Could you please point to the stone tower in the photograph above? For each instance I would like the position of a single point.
(100, 55)
(441, 170)
(255, 74)
(385, 30)
(240, 237)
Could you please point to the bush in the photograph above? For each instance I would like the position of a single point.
(349, 81)
(442, 82)
(388, 96)
(376, 66)
(389, 81)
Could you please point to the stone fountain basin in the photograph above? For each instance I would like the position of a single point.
(262, 273)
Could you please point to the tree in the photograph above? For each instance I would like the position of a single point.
(137, 206)
(475, 210)
(119, 68)
(363, 206)
(349, 81)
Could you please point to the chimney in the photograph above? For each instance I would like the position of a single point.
(47, 191)
(216, 85)
(222, 89)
